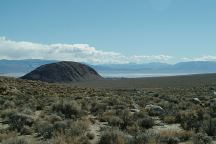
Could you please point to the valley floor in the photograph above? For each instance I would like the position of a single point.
(117, 111)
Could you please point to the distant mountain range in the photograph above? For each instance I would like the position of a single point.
(21, 67)
(182, 67)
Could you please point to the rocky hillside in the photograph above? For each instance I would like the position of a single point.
(63, 72)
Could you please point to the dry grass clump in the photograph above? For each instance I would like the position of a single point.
(112, 136)
(16, 140)
(146, 137)
(172, 135)
(62, 138)
(169, 119)
(201, 138)
(7, 135)
(67, 109)
(69, 128)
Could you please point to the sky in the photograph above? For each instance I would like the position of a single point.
(108, 31)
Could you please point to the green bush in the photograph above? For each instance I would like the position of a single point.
(209, 126)
(17, 121)
(146, 123)
(60, 126)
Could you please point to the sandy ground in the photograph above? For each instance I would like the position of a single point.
(95, 128)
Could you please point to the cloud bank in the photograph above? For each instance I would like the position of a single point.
(10, 49)
(202, 58)
(16, 50)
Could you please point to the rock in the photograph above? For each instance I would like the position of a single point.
(196, 101)
(63, 72)
(155, 110)
(134, 110)
(214, 93)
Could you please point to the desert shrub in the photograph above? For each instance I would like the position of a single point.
(139, 115)
(213, 107)
(90, 135)
(4, 89)
(112, 136)
(67, 109)
(189, 120)
(78, 128)
(15, 141)
(60, 126)
(172, 140)
(98, 107)
(115, 121)
(106, 116)
(146, 137)
(27, 111)
(185, 135)
(8, 104)
(201, 138)
(169, 119)
(62, 138)
(17, 121)
(86, 105)
(126, 118)
(181, 135)
(53, 118)
(111, 118)
(73, 133)
(44, 129)
(133, 129)
(146, 123)
(171, 136)
(209, 126)
(26, 130)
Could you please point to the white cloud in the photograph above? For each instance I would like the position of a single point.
(202, 58)
(74, 52)
(206, 58)
(141, 58)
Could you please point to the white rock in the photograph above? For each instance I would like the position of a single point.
(196, 100)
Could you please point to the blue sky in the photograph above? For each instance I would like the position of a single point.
(182, 29)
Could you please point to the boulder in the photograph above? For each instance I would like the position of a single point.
(155, 110)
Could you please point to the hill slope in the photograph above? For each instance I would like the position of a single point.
(63, 72)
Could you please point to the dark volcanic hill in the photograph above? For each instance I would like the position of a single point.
(63, 72)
